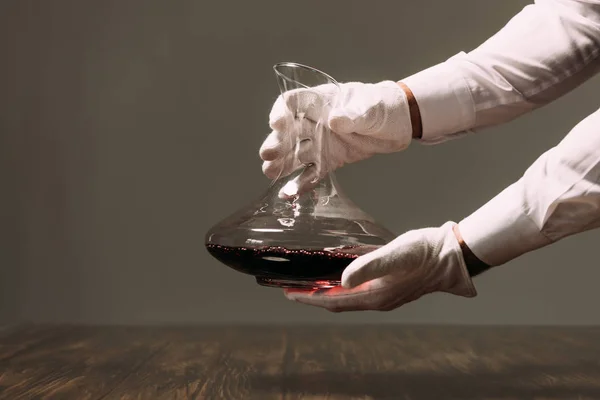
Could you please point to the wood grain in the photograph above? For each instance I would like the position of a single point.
(78, 363)
(303, 362)
(22, 338)
(208, 363)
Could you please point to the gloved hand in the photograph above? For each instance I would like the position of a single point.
(357, 121)
(414, 264)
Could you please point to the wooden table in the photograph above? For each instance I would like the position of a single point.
(320, 362)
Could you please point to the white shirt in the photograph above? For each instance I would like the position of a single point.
(545, 51)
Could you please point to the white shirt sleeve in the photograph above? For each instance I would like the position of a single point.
(545, 51)
(548, 49)
(558, 196)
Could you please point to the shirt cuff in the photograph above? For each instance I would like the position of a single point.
(445, 103)
(501, 230)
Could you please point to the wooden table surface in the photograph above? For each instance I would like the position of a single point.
(320, 362)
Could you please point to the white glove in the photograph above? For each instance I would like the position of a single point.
(414, 264)
(356, 122)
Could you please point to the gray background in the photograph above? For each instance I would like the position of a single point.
(128, 128)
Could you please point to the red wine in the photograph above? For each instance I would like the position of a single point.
(279, 264)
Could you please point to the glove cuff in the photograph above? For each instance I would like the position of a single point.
(455, 276)
(398, 113)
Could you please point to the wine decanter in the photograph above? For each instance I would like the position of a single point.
(305, 239)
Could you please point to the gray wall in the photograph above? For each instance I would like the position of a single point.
(128, 128)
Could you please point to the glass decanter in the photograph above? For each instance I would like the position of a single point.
(296, 239)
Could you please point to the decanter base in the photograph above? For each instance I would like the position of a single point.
(293, 284)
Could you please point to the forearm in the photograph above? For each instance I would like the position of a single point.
(558, 196)
(545, 51)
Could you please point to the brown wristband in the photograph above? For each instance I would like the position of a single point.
(415, 113)
(474, 265)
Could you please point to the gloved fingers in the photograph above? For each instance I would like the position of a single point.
(276, 145)
(304, 182)
(312, 103)
(280, 116)
(407, 297)
(304, 128)
(343, 121)
(364, 122)
(359, 111)
(293, 106)
(281, 167)
(373, 295)
(399, 257)
(309, 148)
(279, 143)
(365, 268)
(272, 169)
(306, 152)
